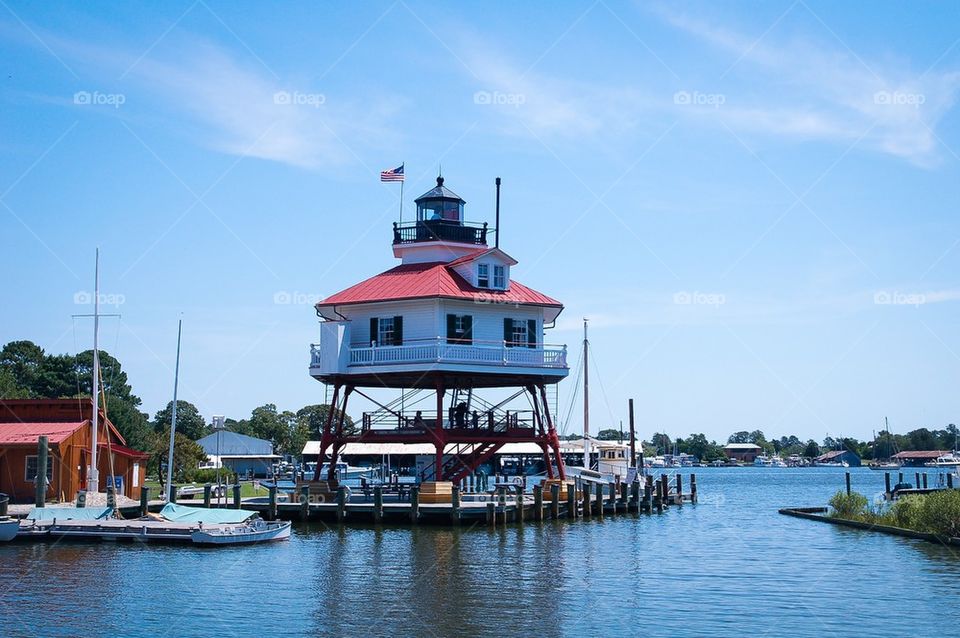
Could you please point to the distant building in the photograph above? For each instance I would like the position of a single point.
(916, 458)
(744, 452)
(66, 424)
(239, 453)
(839, 456)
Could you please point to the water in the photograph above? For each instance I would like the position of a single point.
(728, 566)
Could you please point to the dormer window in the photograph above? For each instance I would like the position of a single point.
(499, 277)
(483, 275)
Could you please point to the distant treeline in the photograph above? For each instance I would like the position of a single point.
(885, 446)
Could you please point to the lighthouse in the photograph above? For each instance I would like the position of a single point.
(444, 329)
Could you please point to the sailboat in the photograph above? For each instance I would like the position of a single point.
(890, 464)
(611, 460)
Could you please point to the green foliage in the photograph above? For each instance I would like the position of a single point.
(851, 506)
(316, 416)
(610, 434)
(207, 475)
(190, 422)
(187, 456)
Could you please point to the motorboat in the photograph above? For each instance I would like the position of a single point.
(254, 531)
(8, 528)
(944, 461)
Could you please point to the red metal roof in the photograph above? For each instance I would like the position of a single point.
(28, 433)
(435, 279)
(920, 454)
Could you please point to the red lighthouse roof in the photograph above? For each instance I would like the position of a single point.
(426, 280)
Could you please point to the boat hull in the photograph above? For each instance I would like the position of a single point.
(270, 532)
(9, 530)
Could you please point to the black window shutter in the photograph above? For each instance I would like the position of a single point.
(508, 331)
(375, 330)
(398, 331)
(468, 329)
(451, 328)
(532, 333)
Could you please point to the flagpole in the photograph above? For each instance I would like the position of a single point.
(404, 167)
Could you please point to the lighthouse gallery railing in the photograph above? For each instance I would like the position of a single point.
(439, 350)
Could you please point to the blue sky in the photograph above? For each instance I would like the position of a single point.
(754, 203)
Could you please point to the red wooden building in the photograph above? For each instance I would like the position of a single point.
(66, 424)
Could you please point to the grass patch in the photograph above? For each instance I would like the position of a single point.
(935, 513)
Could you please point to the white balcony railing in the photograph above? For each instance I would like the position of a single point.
(439, 351)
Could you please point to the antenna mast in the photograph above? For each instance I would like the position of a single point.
(93, 476)
(173, 420)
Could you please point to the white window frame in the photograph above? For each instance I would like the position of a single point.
(499, 276)
(520, 326)
(385, 336)
(36, 461)
(483, 275)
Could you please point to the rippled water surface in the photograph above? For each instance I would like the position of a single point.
(728, 566)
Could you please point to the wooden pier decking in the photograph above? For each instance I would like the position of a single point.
(503, 505)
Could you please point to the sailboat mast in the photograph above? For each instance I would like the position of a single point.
(173, 419)
(586, 398)
(93, 477)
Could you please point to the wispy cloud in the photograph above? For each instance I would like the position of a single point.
(826, 91)
(230, 103)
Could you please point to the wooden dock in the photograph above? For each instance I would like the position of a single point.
(505, 504)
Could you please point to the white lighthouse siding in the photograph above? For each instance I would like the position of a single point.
(427, 319)
(419, 319)
(488, 318)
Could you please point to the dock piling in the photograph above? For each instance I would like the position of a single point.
(847, 479)
(679, 499)
(917, 479)
(272, 507)
(554, 501)
(634, 496)
(491, 514)
(454, 505)
(40, 480)
(414, 504)
(624, 497)
(599, 500)
(571, 502)
(585, 495)
(144, 500)
(693, 488)
(664, 488)
(236, 496)
(206, 495)
(341, 503)
(304, 502)
(378, 501)
(924, 480)
(538, 502)
(886, 484)
(518, 517)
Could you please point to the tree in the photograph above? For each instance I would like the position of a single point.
(609, 435)
(189, 421)
(316, 417)
(23, 360)
(240, 427)
(9, 388)
(662, 442)
(739, 437)
(812, 450)
(187, 455)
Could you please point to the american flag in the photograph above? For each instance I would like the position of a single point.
(392, 175)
